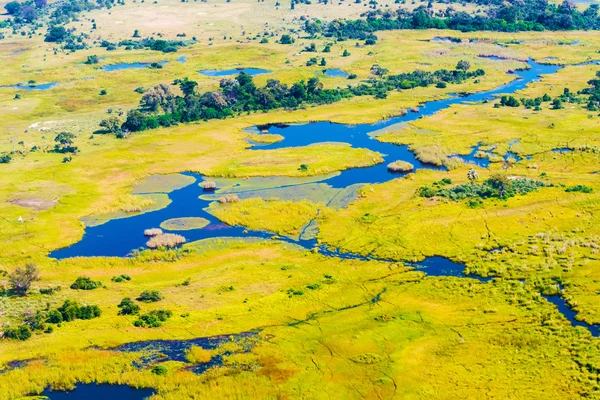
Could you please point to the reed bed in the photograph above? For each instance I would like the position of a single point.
(153, 232)
(400, 166)
(229, 198)
(166, 240)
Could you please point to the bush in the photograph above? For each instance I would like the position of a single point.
(121, 278)
(128, 307)
(85, 283)
(150, 296)
(579, 188)
(159, 370)
(153, 319)
(71, 310)
(23, 332)
(286, 39)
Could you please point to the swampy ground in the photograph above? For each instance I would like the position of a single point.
(325, 326)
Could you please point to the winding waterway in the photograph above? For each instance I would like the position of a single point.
(119, 237)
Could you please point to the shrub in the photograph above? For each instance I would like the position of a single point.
(153, 319)
(286, 39)
(23, 332)
(121, 278)
(159, 370)
(579, 188)
(85, 283)
(128, 307)
(150, 296)
(71, 310)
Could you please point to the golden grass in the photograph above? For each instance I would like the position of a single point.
(166, 240)
(400, 166)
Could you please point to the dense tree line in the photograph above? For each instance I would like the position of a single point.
(160, 107)
(511, 16)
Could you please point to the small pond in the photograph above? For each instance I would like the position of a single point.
(336, 72)
(123, 66)
(93, 391)
(235, 71)
(32, 86)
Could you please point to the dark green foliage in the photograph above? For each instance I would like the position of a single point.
(509, 101)
(64, 143)
(579, 188)
(240, 95)
(103, 92)
(23, 332)
(531, 15)
(72, 310)
(121, 278)
(5, 158)
(91, 60)
(85, 283)
(128, 307)
(56, 34)
(150, 296)
(159, 370)
(13, 8)
(153, 319)
(54, 317)
(286, 39)
(497, 186)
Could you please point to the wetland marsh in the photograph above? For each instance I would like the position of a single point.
(267, 200)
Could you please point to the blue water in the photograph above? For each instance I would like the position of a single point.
(336, 72)
(122, 66)
(228, 72)
(34, 86)
(93, 391)
(570, 314)
(119, 237)
(182, 59)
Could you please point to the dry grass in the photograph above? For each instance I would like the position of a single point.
(153, 232)
(166, 240)
(400, 166)
(208, 185)
(229, 198)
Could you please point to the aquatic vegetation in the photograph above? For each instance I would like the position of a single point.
(400, 166)
(167, 240)
(153, 232)
(184, 224)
